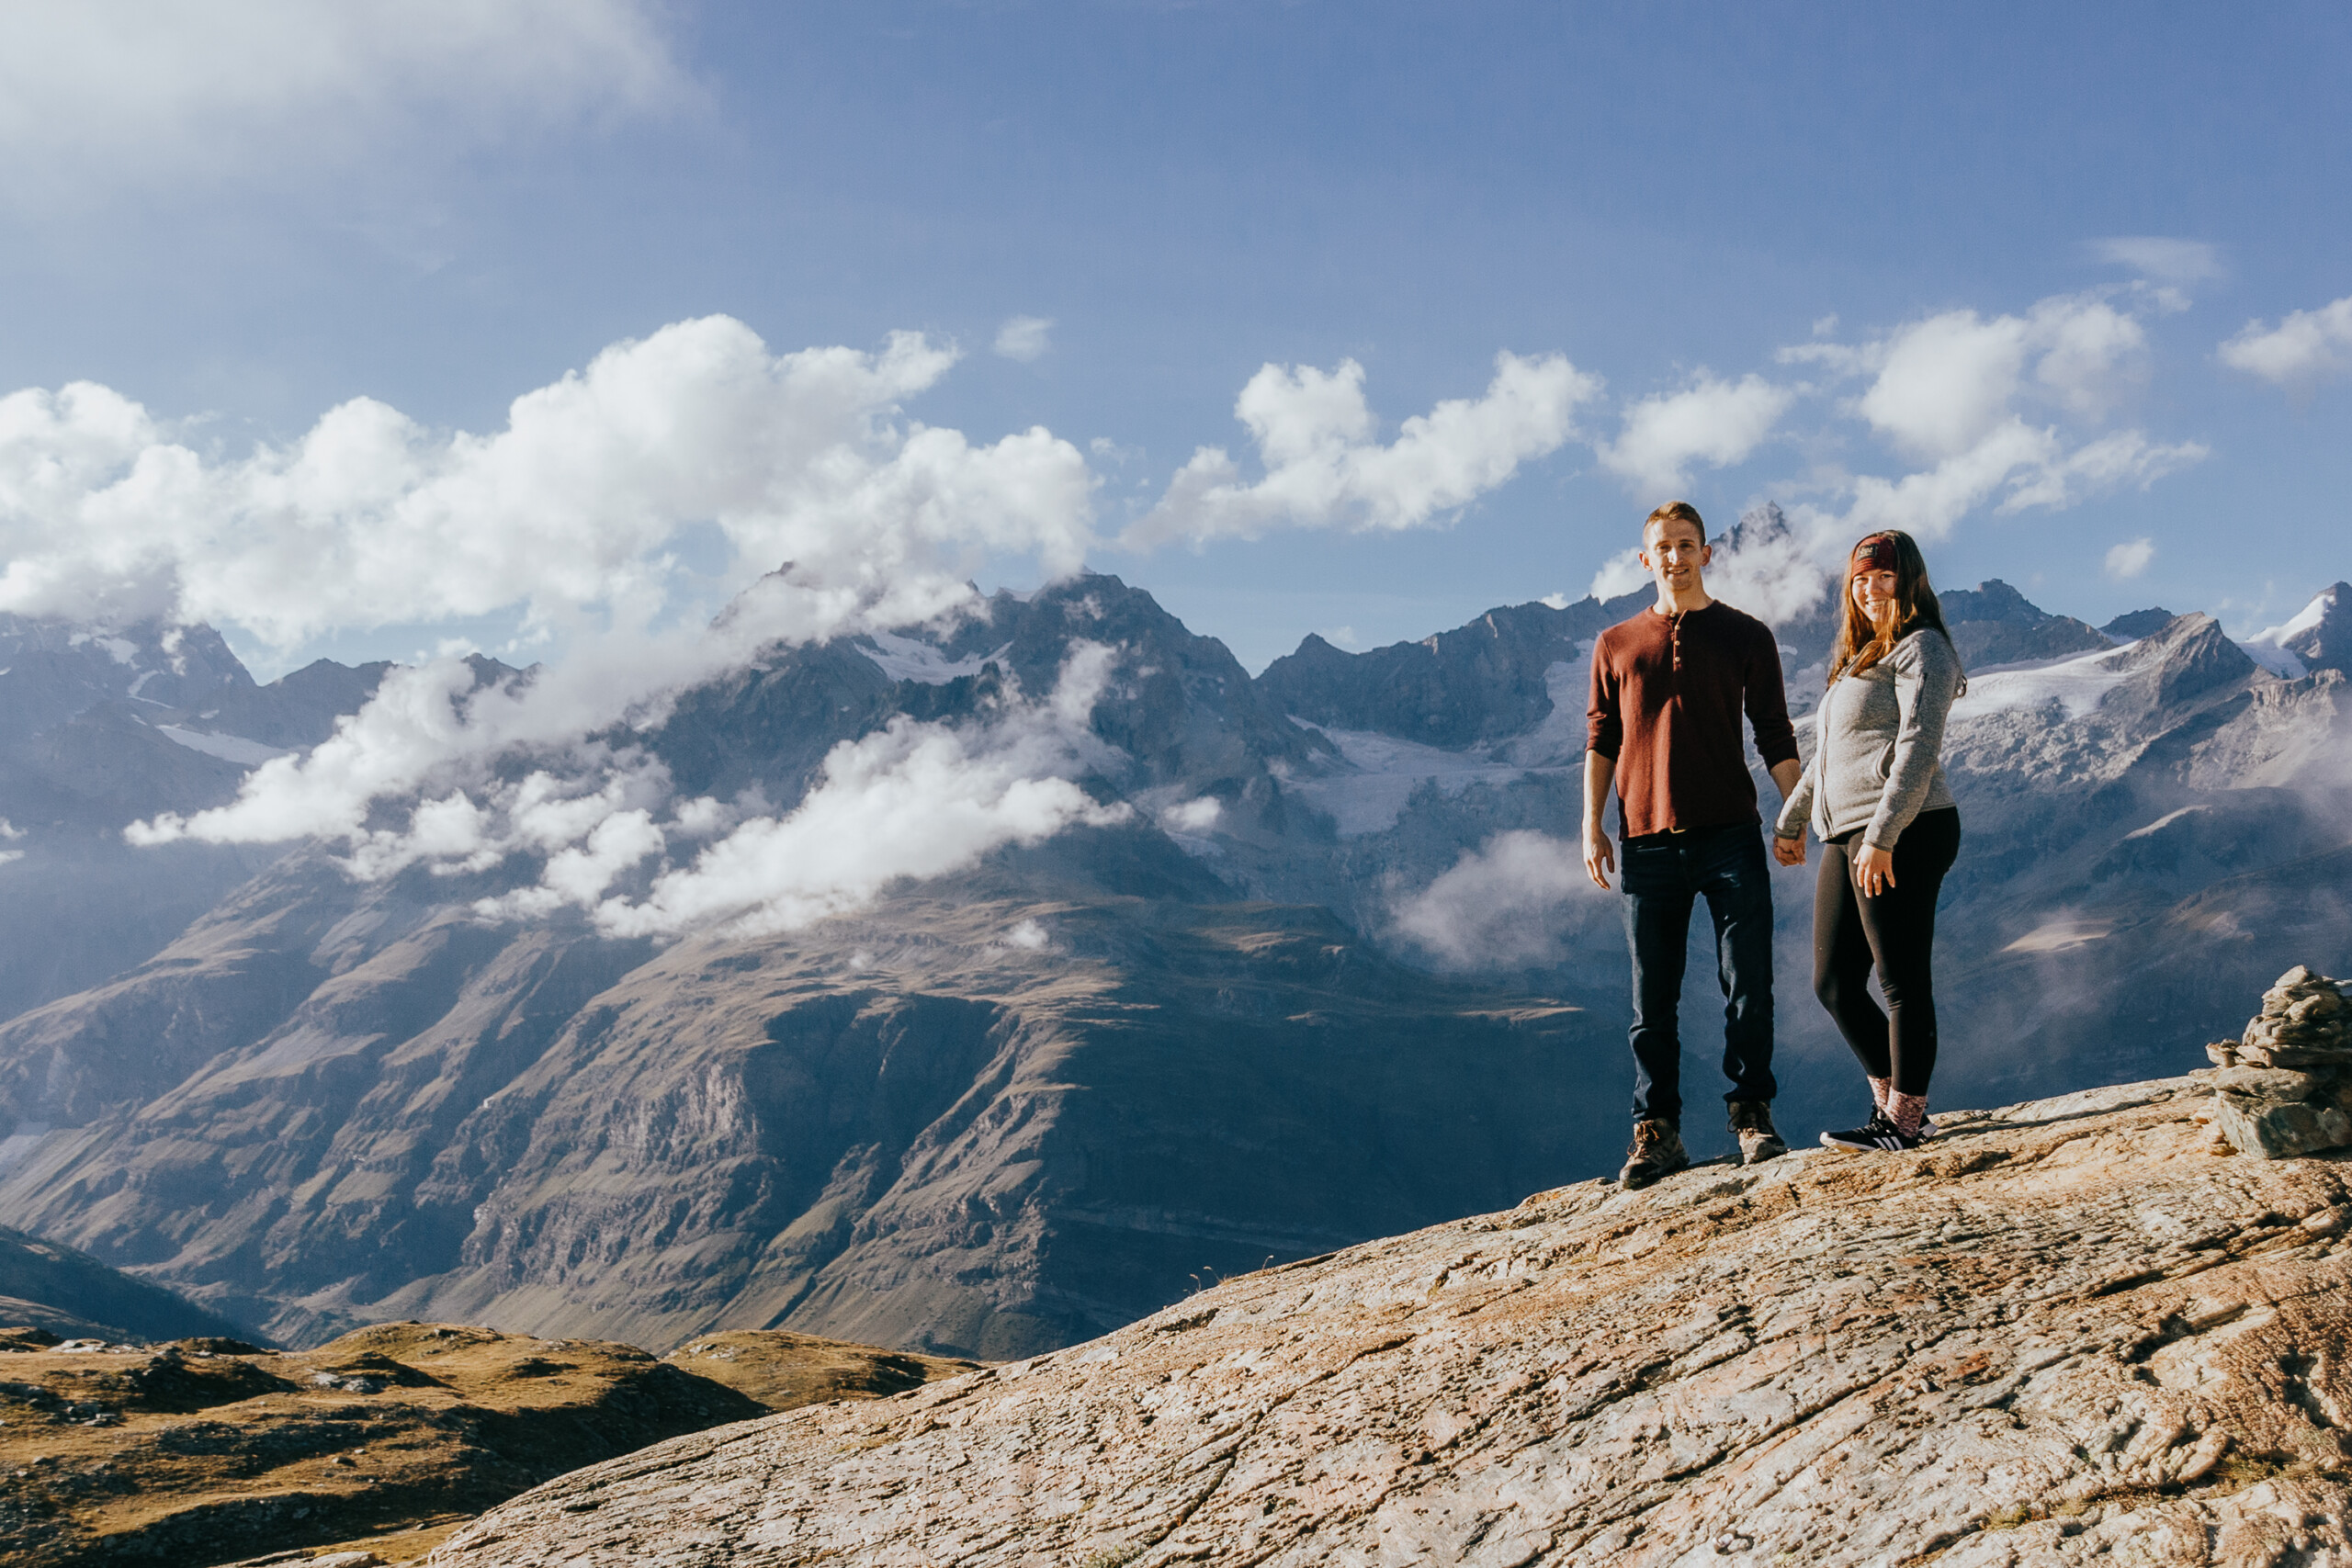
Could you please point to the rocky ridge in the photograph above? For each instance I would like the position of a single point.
(2064, 1332)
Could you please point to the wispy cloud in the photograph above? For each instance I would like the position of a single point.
(1715, 422)
(2160, 259)
(1510, 903)
(1025, 338)
(599, 827)
(100, 96)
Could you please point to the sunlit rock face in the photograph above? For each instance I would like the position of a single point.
(2063, 1332)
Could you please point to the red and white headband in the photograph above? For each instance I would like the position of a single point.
(1874, 553)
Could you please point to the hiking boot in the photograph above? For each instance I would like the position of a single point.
(1751, 1123)
(1657, 1151)
(1878, 1133)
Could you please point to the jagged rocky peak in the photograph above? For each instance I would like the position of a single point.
(2059, 1333)
(2191, 660)
(1182, 716)
(2137, 624)
(1492, 678)
(52, 670)
(1994, 624)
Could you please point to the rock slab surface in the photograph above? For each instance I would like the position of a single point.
(2061, 1332)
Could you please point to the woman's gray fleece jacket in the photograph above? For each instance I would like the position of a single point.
(1876, 741)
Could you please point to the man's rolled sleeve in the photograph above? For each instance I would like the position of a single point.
(1767, 707)
(1604, 720)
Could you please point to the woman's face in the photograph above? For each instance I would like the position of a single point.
(1874, 593)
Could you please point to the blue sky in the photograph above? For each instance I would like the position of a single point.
(1670, 198)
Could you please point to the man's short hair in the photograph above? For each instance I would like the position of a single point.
(1675, 512)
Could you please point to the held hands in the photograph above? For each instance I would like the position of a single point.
(1599, 860)
(1873, 869)
(1788, 851)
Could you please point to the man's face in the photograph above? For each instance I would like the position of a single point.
(1675, 552)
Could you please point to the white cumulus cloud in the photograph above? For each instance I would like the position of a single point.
(2001, 411)
(1975, 396)
(2305, 349)
(1715, 422)
(369, 519)
(99, 93)
(2129, 559)
(1326, 468)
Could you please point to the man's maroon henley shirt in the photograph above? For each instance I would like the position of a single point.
(1667, 694)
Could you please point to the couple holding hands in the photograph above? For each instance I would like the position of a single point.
(1668, 689)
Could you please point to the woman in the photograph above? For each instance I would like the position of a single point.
(1874, 792)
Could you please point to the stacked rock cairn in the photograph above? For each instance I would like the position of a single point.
(2285, 1088)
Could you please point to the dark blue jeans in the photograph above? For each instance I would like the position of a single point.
(1663, 874)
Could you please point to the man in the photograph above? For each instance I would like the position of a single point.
(1668, 686)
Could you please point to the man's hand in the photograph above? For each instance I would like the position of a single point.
(1873, 869)
(1788, 851)
(1600, 859)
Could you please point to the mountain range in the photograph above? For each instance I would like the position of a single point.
(1334, 975)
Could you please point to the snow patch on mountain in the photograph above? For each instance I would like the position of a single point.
(905, 659)
(2078, 684)
(228, 747)
(122, 650)
(1383, 771)
(1558, 737)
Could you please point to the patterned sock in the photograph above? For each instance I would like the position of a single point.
(1907, 1111)
(1880, 1090)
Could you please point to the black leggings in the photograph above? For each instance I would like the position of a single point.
(1896, 930)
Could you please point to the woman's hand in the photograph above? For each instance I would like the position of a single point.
(1873, 869)
(1788, 851)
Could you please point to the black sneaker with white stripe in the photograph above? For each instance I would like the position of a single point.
(1878, 1133)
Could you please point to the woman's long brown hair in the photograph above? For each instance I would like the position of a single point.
(1860, 644)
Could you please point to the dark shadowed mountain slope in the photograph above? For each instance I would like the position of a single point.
(2136, 624)
(1994, 624)
(46, 1286)
(1483, 682)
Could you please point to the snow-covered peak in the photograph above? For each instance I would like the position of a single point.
(2295, 644)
